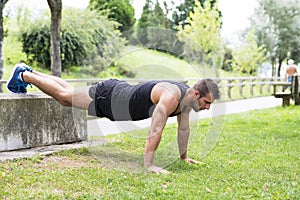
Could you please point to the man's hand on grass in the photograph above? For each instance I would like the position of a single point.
(157, 170)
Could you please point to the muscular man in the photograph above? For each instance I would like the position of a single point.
(117, 100)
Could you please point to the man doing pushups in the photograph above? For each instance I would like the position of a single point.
(119, 101)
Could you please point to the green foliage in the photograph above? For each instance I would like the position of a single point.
(36, 45)
(158, 16)
(182, 12)
(249, 55)
(143, 23)
(94, 40)
(201, 34)
(228, 59)
(152, 16)
(154, 30)
(120, 11)
(279, 31)
(12, 52)
(87, 38)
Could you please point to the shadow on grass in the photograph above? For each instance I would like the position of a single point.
(114, 158)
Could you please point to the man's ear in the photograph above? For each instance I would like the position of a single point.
(197, 94)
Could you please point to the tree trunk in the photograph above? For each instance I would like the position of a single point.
(2, 4)
(273, 61)
(55, 52)
(279, 66)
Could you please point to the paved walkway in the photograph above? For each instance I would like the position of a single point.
(102, 127)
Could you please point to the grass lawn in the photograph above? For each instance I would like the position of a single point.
(151, 64)
(257, 156)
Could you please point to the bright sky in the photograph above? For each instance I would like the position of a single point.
(235, 12)
(236, 15)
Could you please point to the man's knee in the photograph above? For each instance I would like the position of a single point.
(65, 99)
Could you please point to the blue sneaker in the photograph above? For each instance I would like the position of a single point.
(25, 66)
(15, 84)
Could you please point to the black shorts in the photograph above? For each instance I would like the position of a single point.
(101, 93)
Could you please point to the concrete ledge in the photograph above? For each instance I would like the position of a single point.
(36, 119)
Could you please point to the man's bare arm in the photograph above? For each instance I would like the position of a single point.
(166, 104)
(159, 119)
(183, 134)
(183, 137)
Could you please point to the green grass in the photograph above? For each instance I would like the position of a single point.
(256, 157)
(150, 64)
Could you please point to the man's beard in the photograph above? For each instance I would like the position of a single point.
(195, 106)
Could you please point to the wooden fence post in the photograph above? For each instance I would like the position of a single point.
(241, 86)
(229, 81)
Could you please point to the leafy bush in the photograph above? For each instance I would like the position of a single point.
(87, 38)
(249, 56)
(36, 45)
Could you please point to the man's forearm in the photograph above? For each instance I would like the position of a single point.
(182, 139)
(150, 148)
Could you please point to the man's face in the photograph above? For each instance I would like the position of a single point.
(202, 103)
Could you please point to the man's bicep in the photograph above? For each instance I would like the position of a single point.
(168, 103)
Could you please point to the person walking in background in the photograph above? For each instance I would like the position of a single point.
(119, 101)
(290, 71)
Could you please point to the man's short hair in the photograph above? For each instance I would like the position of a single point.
(206, 86)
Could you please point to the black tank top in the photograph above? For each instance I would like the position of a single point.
(133, 102)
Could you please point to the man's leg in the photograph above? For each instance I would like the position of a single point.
(59, 89)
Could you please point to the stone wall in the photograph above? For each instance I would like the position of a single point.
(36, 119)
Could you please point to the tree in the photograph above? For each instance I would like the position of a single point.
(158, 17)
(266, 35)
(144, 22)
(87, 38)
(228, 59)
(249, 56)
(182, 12)
(154, 30)
(2, 4)
(120, 11)
(201, 33)
(279, 32)
(56, 10)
